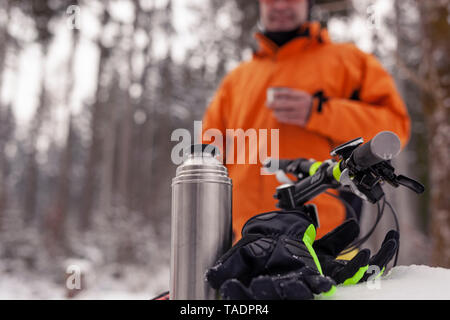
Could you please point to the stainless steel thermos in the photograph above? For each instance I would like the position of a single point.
(201, 222)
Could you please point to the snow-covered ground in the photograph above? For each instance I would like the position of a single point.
(132, 284)
(402, 282)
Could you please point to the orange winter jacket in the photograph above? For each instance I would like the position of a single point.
(360, 101)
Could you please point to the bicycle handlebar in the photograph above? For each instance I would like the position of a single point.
(362, 167)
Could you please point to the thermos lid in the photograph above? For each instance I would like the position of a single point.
(202, 149)
(201, 165)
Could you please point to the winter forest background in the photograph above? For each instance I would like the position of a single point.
(90, 92)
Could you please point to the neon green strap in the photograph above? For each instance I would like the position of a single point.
(308, 240)
(330, 292)
(381, 273)
(314, 167)
(337, 172)
(356, 277)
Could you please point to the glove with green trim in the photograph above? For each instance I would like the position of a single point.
(273, 260)
(346, 272)
(297, 285)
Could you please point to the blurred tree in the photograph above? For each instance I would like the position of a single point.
(4, 36)
(57, 217)
(424, 64)
(7, 127)
(32, 171)
(143, 119)
(96, 109)
(4, 132)
(434, 79)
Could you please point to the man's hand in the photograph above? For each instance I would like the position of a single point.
(290, 106)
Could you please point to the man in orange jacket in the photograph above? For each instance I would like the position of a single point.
(326, 94)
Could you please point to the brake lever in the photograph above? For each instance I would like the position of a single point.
(411, 184)
(387, 172)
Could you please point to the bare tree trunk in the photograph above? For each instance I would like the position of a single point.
(124, 156)
(436, 32)
(56, 220)
(4, 40)
(90, 179)
(3, 186)
(439, 181)
(110, 124)
(58, 214)
(127, 111)
(32, 170)
(141, 176)
(3, 47)
(414, 244)
(90, 176)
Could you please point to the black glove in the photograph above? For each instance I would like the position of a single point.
(274, 259)
(351, 272)
(297, 285)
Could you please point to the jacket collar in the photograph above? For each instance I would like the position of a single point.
(311, 32)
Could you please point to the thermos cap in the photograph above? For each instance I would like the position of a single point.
(201, 165)
(202, 149)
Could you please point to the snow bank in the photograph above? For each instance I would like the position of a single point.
(132, 284)
(14, 287)
(402, 282)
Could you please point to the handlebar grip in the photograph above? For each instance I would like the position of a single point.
(384, 146)
(295, 167)
(283, 164)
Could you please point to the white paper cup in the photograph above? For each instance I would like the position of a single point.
(270, 94)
